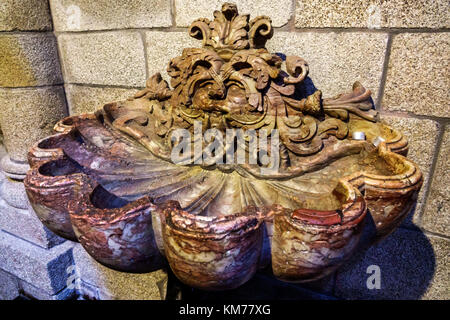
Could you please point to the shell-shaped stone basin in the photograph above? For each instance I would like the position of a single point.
(86, 184)
(50, 185)
(292, 188)
(116, 232)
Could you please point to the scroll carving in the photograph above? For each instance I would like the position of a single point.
(233, 82)
(117, 189)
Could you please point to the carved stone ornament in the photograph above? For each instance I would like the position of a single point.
(237, 165)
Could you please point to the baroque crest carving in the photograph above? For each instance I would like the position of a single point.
(312, 168)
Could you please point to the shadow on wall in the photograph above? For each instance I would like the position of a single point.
(304, 88)
(307, 87)
(58, 274)
(406, 263)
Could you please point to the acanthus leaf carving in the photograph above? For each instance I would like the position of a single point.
(234, 82)
(116, 188)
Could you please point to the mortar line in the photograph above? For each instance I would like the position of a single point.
(104, 86)
(97, 31)
(288, 27)
(144, 44)
(431, 174)
(442, 122)
(403, 114)
(25, 32)
(435, 234)
(34, 244)
(45, 86)
(51, 15)
(63, 73)
(60, 59)
(294, 13)
(370, 30)
(387, 56)
(173, 13)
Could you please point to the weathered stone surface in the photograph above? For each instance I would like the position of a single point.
(372, 14)
(422, 138)
(29, 60)
(119, 285)
(418, 78)
(336, 60)
(20, 221)
(439, 286)
(13, 169)
(40, 294)
(187, 11)
(44, 269)
(109, 58)
(24, 15)
(79, 15)
(436, 216)
(29, 115)
(9, 286)
(2, 147)
(412, 266)
(83, 99)
(163, 46)
(13, 193)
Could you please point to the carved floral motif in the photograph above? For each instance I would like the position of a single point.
(234, 82)
(109, 180)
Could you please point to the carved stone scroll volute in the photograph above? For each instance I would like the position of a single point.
(313, 168)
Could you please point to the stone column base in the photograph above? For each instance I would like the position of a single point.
(18, 218)
(96, 281)
(39, 273)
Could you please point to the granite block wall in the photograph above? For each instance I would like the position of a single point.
(61, 57)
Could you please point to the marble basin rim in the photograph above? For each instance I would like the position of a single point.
(110, 180)
(257, 235)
